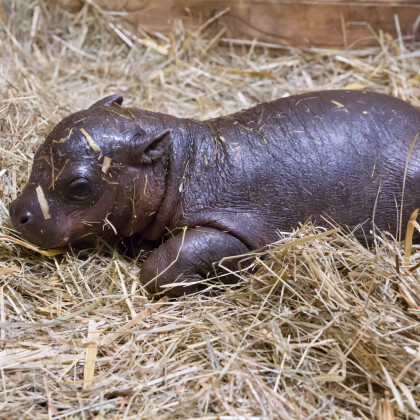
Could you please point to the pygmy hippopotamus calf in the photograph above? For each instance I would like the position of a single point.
(231, 181)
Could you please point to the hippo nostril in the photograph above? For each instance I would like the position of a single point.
(25, 218)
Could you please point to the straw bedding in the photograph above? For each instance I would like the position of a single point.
(325, 328)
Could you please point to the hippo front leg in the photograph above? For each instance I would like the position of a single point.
(187, 258)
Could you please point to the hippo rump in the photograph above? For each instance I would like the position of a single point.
(224, 186)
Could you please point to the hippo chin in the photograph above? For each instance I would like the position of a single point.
(231, 181)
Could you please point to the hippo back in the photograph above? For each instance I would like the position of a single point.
(340, 153)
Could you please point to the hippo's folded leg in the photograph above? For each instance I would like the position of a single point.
(187, 258)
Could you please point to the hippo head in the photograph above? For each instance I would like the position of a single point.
(97, 171)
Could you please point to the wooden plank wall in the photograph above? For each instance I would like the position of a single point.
(319, 23)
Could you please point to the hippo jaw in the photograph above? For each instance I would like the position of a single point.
(50, 224)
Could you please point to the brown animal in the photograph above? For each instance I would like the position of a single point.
(231, 181)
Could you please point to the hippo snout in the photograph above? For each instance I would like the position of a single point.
(19, 216)
(27, 218)
(23, 219)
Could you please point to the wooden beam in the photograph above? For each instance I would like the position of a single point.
(321, 23)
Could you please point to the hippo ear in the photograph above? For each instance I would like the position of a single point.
(109, 100)
(145, 148)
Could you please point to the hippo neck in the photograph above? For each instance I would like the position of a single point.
(186, 135)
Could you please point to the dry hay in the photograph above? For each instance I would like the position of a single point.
(325, 329)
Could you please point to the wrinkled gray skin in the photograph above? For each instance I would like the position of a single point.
(232, 181)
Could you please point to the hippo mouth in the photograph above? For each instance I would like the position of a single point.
(55, 232)
(48, 238)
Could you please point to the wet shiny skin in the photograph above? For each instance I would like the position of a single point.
(232, 181)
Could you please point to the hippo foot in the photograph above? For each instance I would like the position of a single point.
(179, 265)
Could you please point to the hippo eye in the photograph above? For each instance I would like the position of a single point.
(79, 188)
